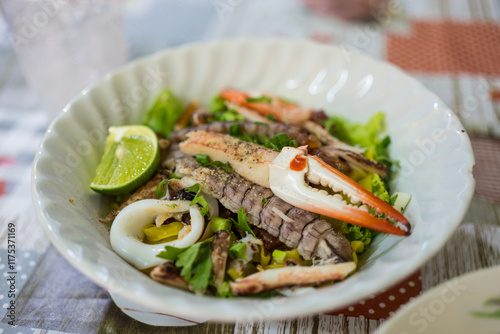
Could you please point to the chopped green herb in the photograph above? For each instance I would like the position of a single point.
(161, 190)
(264, 200)
(271, 118)
(171, 253)
(277, 142)
(198, 199)
(175, 176)
(230, 115)
(234, 130)
(172, 205)
(204, 160)
(194, 261)
(264, 99)
(242, 223)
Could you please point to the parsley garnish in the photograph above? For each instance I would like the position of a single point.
(161, 190)
(234, 130)
(194, 261)
(204, 160)
(271, 118)
(242, 223)
(264, 200)
(277, 142)
(198, 199)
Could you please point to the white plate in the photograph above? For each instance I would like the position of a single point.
(427, 138)
(459, 306)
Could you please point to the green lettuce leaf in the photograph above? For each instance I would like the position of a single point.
(368, 135)
(358, 233)
(164, 113)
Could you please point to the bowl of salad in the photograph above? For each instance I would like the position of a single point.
(251, 179)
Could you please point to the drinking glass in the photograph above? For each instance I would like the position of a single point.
(64, 45)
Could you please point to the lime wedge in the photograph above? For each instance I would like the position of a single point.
(130, 158)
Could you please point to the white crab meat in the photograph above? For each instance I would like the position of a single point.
(127, 237)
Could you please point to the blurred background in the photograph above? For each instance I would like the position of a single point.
(52, 49)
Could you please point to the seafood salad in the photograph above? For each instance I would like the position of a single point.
(255, 194)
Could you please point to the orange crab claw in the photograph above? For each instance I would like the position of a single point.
(288, 174)
(278, 108)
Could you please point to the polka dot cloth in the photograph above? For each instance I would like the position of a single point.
(387, 302)
(427, 47)
(25, 263)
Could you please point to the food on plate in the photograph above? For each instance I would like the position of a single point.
(254, 195)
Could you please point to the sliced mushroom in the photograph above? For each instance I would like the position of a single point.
(220, 251)
(167, 273)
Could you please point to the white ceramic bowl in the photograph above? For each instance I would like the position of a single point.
(427, 138)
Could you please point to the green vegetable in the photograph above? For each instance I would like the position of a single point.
(194, 261)
(224, 290)
(204, 160)
(264, 99)
(242, 223)
(217, 104)
(196, 265)
(279, 256)
(358, 233)
(271, 118)
(357, 246)
(198, 199)
(367, 135)
(171, 253)
(219, 223)
(175, 176)
(264, 201)
(164, 113)
(238, 251)
(161, 190)
(228, 116)
(154, 233)
(379, 188)
(277, 142)
(234, 130)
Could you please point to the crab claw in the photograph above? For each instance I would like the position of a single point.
(290, 173)
(267, 105)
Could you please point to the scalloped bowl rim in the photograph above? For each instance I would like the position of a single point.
(229, 310)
